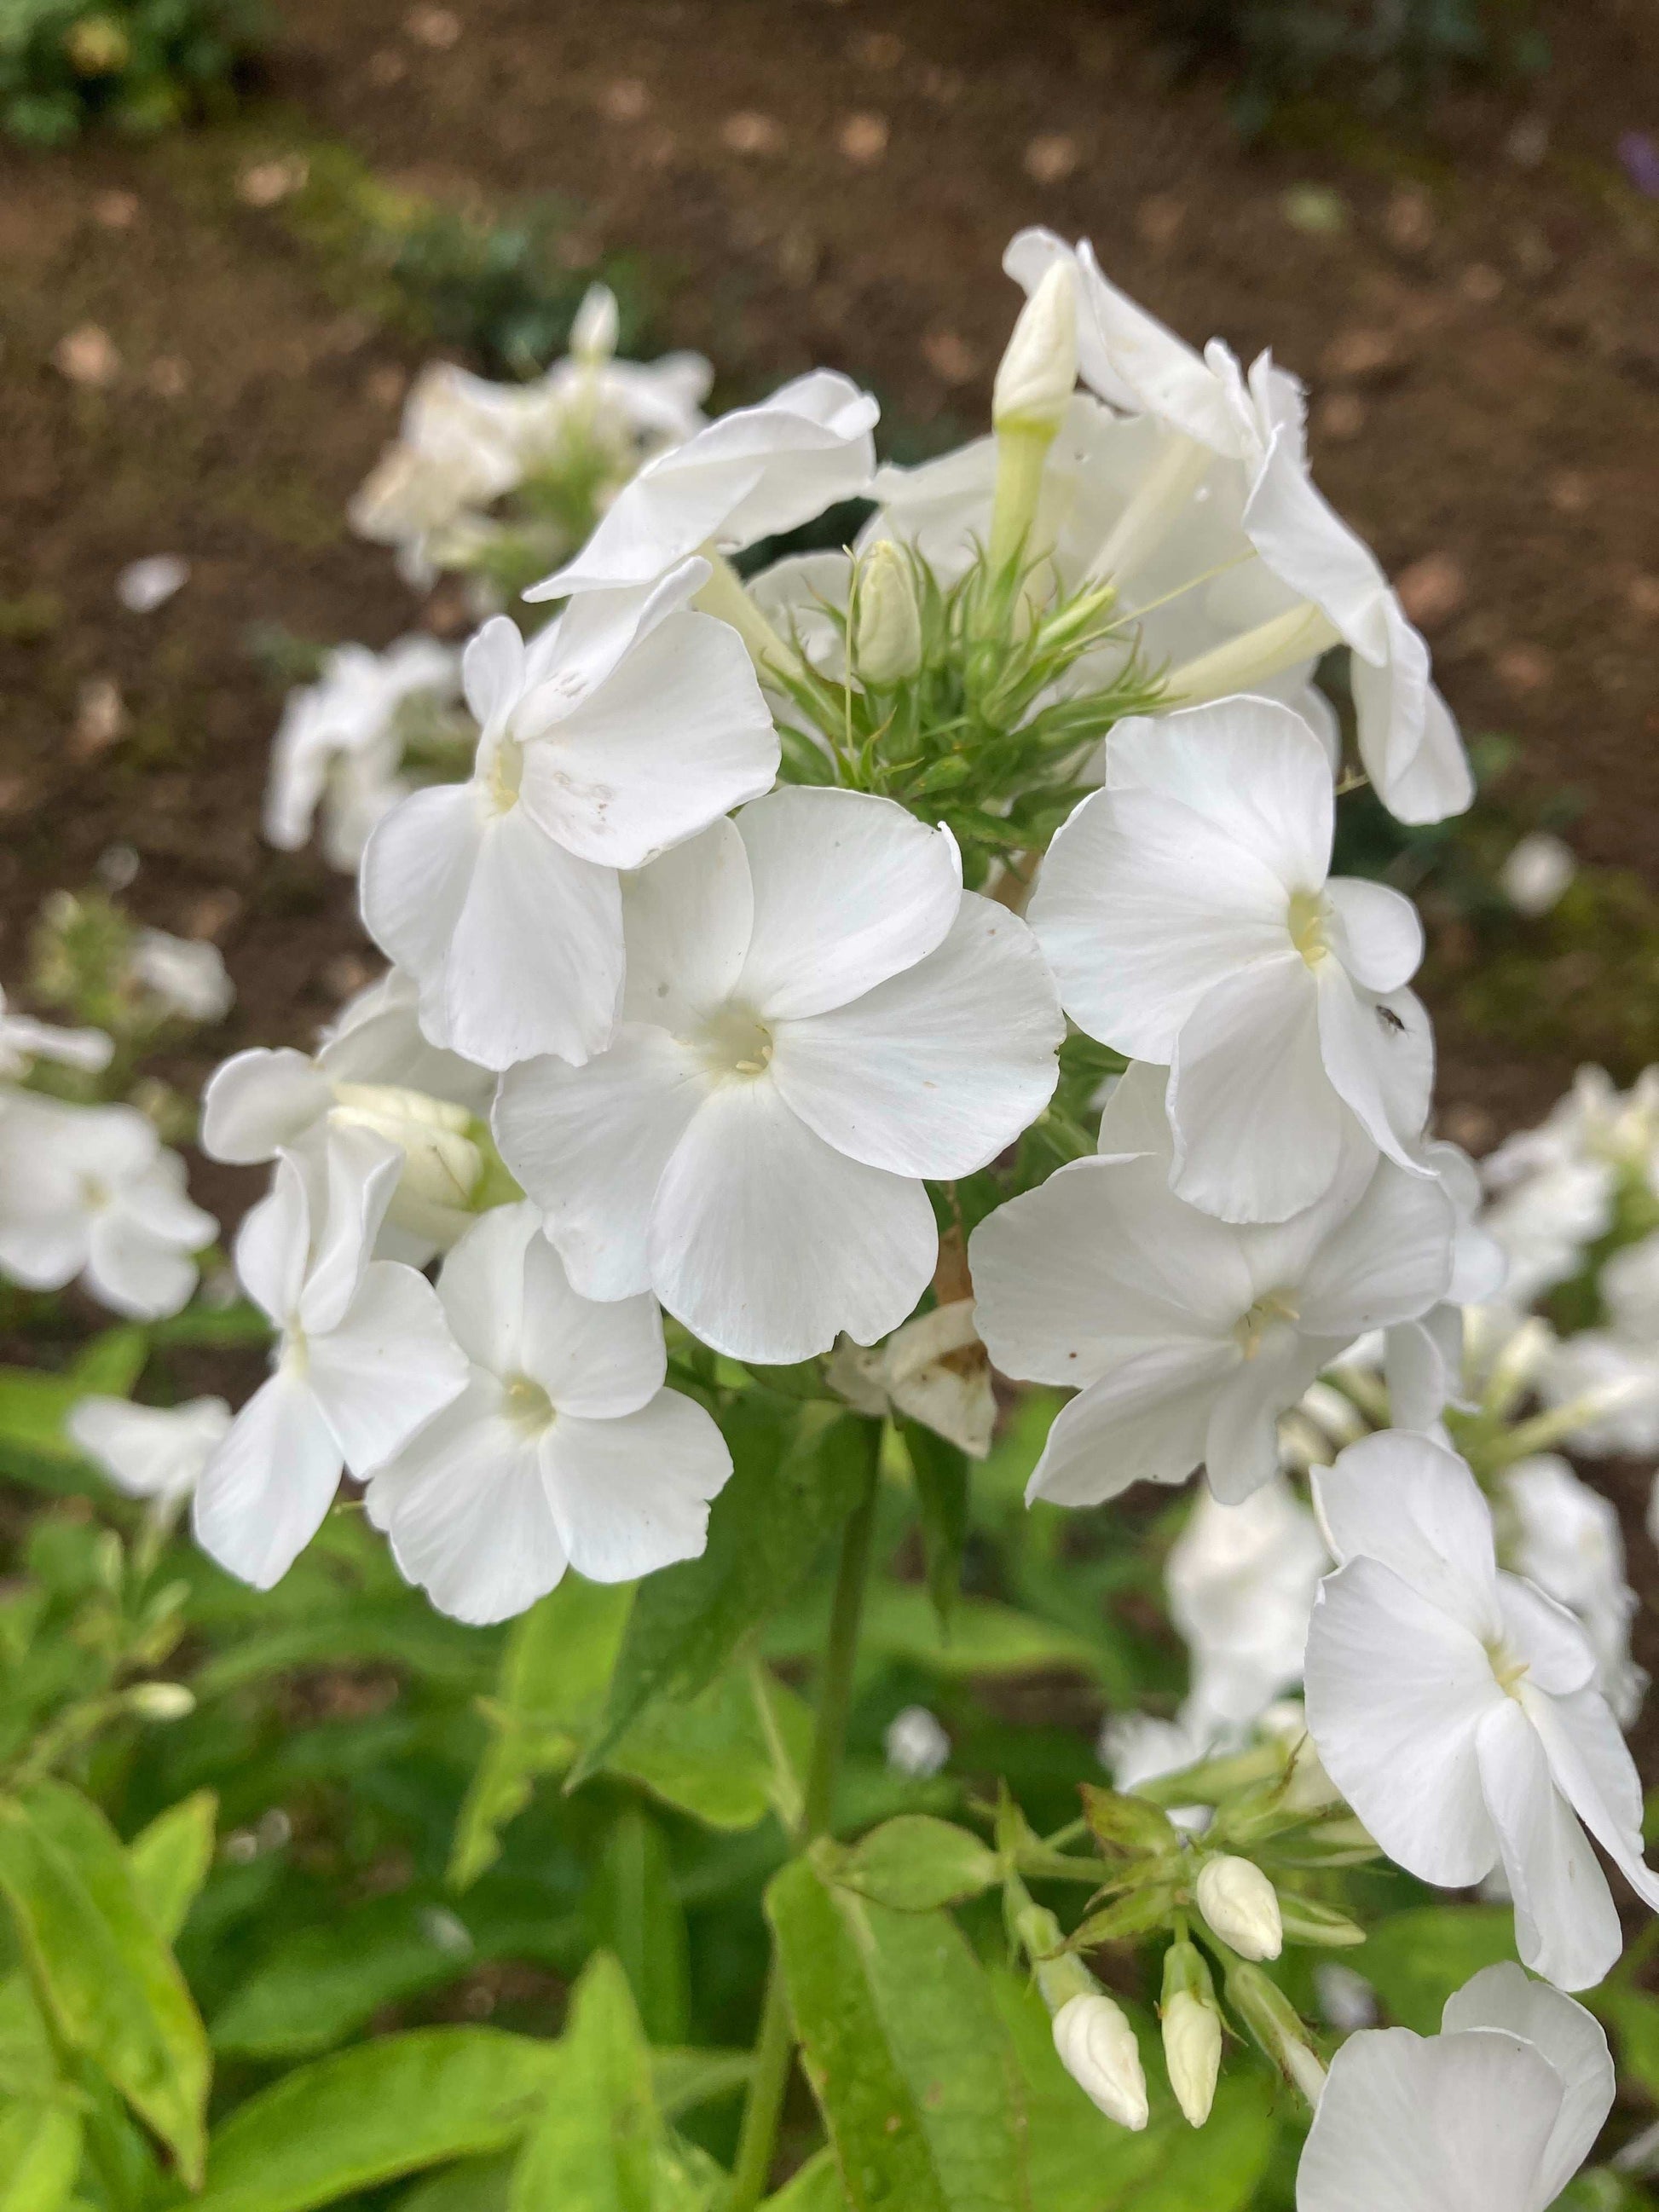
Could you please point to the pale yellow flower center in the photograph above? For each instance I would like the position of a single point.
(1310, 921)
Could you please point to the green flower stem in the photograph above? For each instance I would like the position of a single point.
(774, 2049)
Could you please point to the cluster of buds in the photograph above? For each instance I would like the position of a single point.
(1229, 1898)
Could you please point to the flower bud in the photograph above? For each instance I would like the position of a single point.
(1038, 371)
(1192, 2031)
(1242, 1907)
(593, 330)
(886, 620)
(161, 1701)
(1274, 2022)
(441, 1164)
(1097, 2049)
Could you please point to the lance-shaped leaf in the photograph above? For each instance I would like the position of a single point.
(914, 1864)
(170, 1860)
(940, 1470)
(100, 1964)
(905, 2050)
(40, 2155)
(797, 1469)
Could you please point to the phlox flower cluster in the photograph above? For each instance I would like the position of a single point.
(674, 1059)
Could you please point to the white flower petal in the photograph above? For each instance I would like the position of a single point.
(687, 919)
(1380, 937)
(590, 1144)
(848, 890)
(466, 1509)
(1144, 1422)
(767, 1243)
(1395, 1691)
(134, 1272)
(1241, 1440)
(936, 1070)
(1566, 1926)
(676, 735)
(1411, 2123)
(632, 1495)
(481, 1287)
(1258, 1128)
(1355, 1045)
(1571, 2039)
(389, 1365)
(1406, 1501)
(1389, 1260)
(149, 1451)
(256, 1101)
(596, 1361)
(1141, 907)
(535, 962)
(1250, 768)
(266, 1490)
(1594, 1772)
(417, 868)
(492, 671)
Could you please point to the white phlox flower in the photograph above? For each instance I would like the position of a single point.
(934, 1371)
(91, 1191)
(1455, 1707)
(454, 457)
(915, 1743)
(156, 1452)
(23, 1041)
(748, 475)
(626, 727)
(1189, 915)
(186, 975)
(1608, 1378)
(364, 1357)
(1424, 1360)
(564, 1448)
(1240, 1581)
(1186, 1337)
(1222, 433)
(1564, 1536)
(338, 746)
(817, 1018)
(1494, 2114)
(373, 1069)
(1555, 1187)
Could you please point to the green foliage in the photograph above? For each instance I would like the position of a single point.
(1414, 1960)
(140, 65)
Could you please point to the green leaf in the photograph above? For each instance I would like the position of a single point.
(170, 1860)
(635, 1913)
(1414, 1960)
(597, 2143)
(915, 1863)
(901, 2042)
(315, 1987)
(472, 2184)
(1081, 2162)
(797, 1470)
(940, 1470)
(986, 1639)
(40, 2155)
(686, 2079)
(372, 2113)
(111, 1982)
(1634, 2017)
(369, 1628)
(709, 1756)
(554, 1674)
(816, 2188)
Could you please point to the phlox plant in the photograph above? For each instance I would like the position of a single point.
(875, 1070)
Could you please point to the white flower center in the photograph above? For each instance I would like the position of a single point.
(528, 1406)
(1507, 1669)
(293, 1354)
(504, 774)
(1308, 921)
(95, 1194)
(735, 1042)
(1252, 1327)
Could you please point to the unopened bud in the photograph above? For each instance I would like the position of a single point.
(441, 1164)
(161, 1701)
(594, 328)
(886, 620)
(1097, 2049)
(1192, 2031)
(1038, 371)
(1307, 1921)
(1242, 1907)
(1274, 2022)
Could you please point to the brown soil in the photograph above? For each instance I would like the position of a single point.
(830, 183)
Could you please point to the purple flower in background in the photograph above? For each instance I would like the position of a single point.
(1638, 154)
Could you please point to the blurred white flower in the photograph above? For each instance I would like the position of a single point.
(1494, 2114)
(143, 585)
(23, 1041)
(915, 1743)
(564, 1448)
(149, 1451)
(1240, 1581)
(363, 1358)
(817, 1018)
(1537, 871)
(187, 975)
(91, 1191)
(1188, 914)
(1455, 1707)
(1186, 1337)
(1609, 1376)
(338, 746)
(1564, 1536)
(621, 730)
